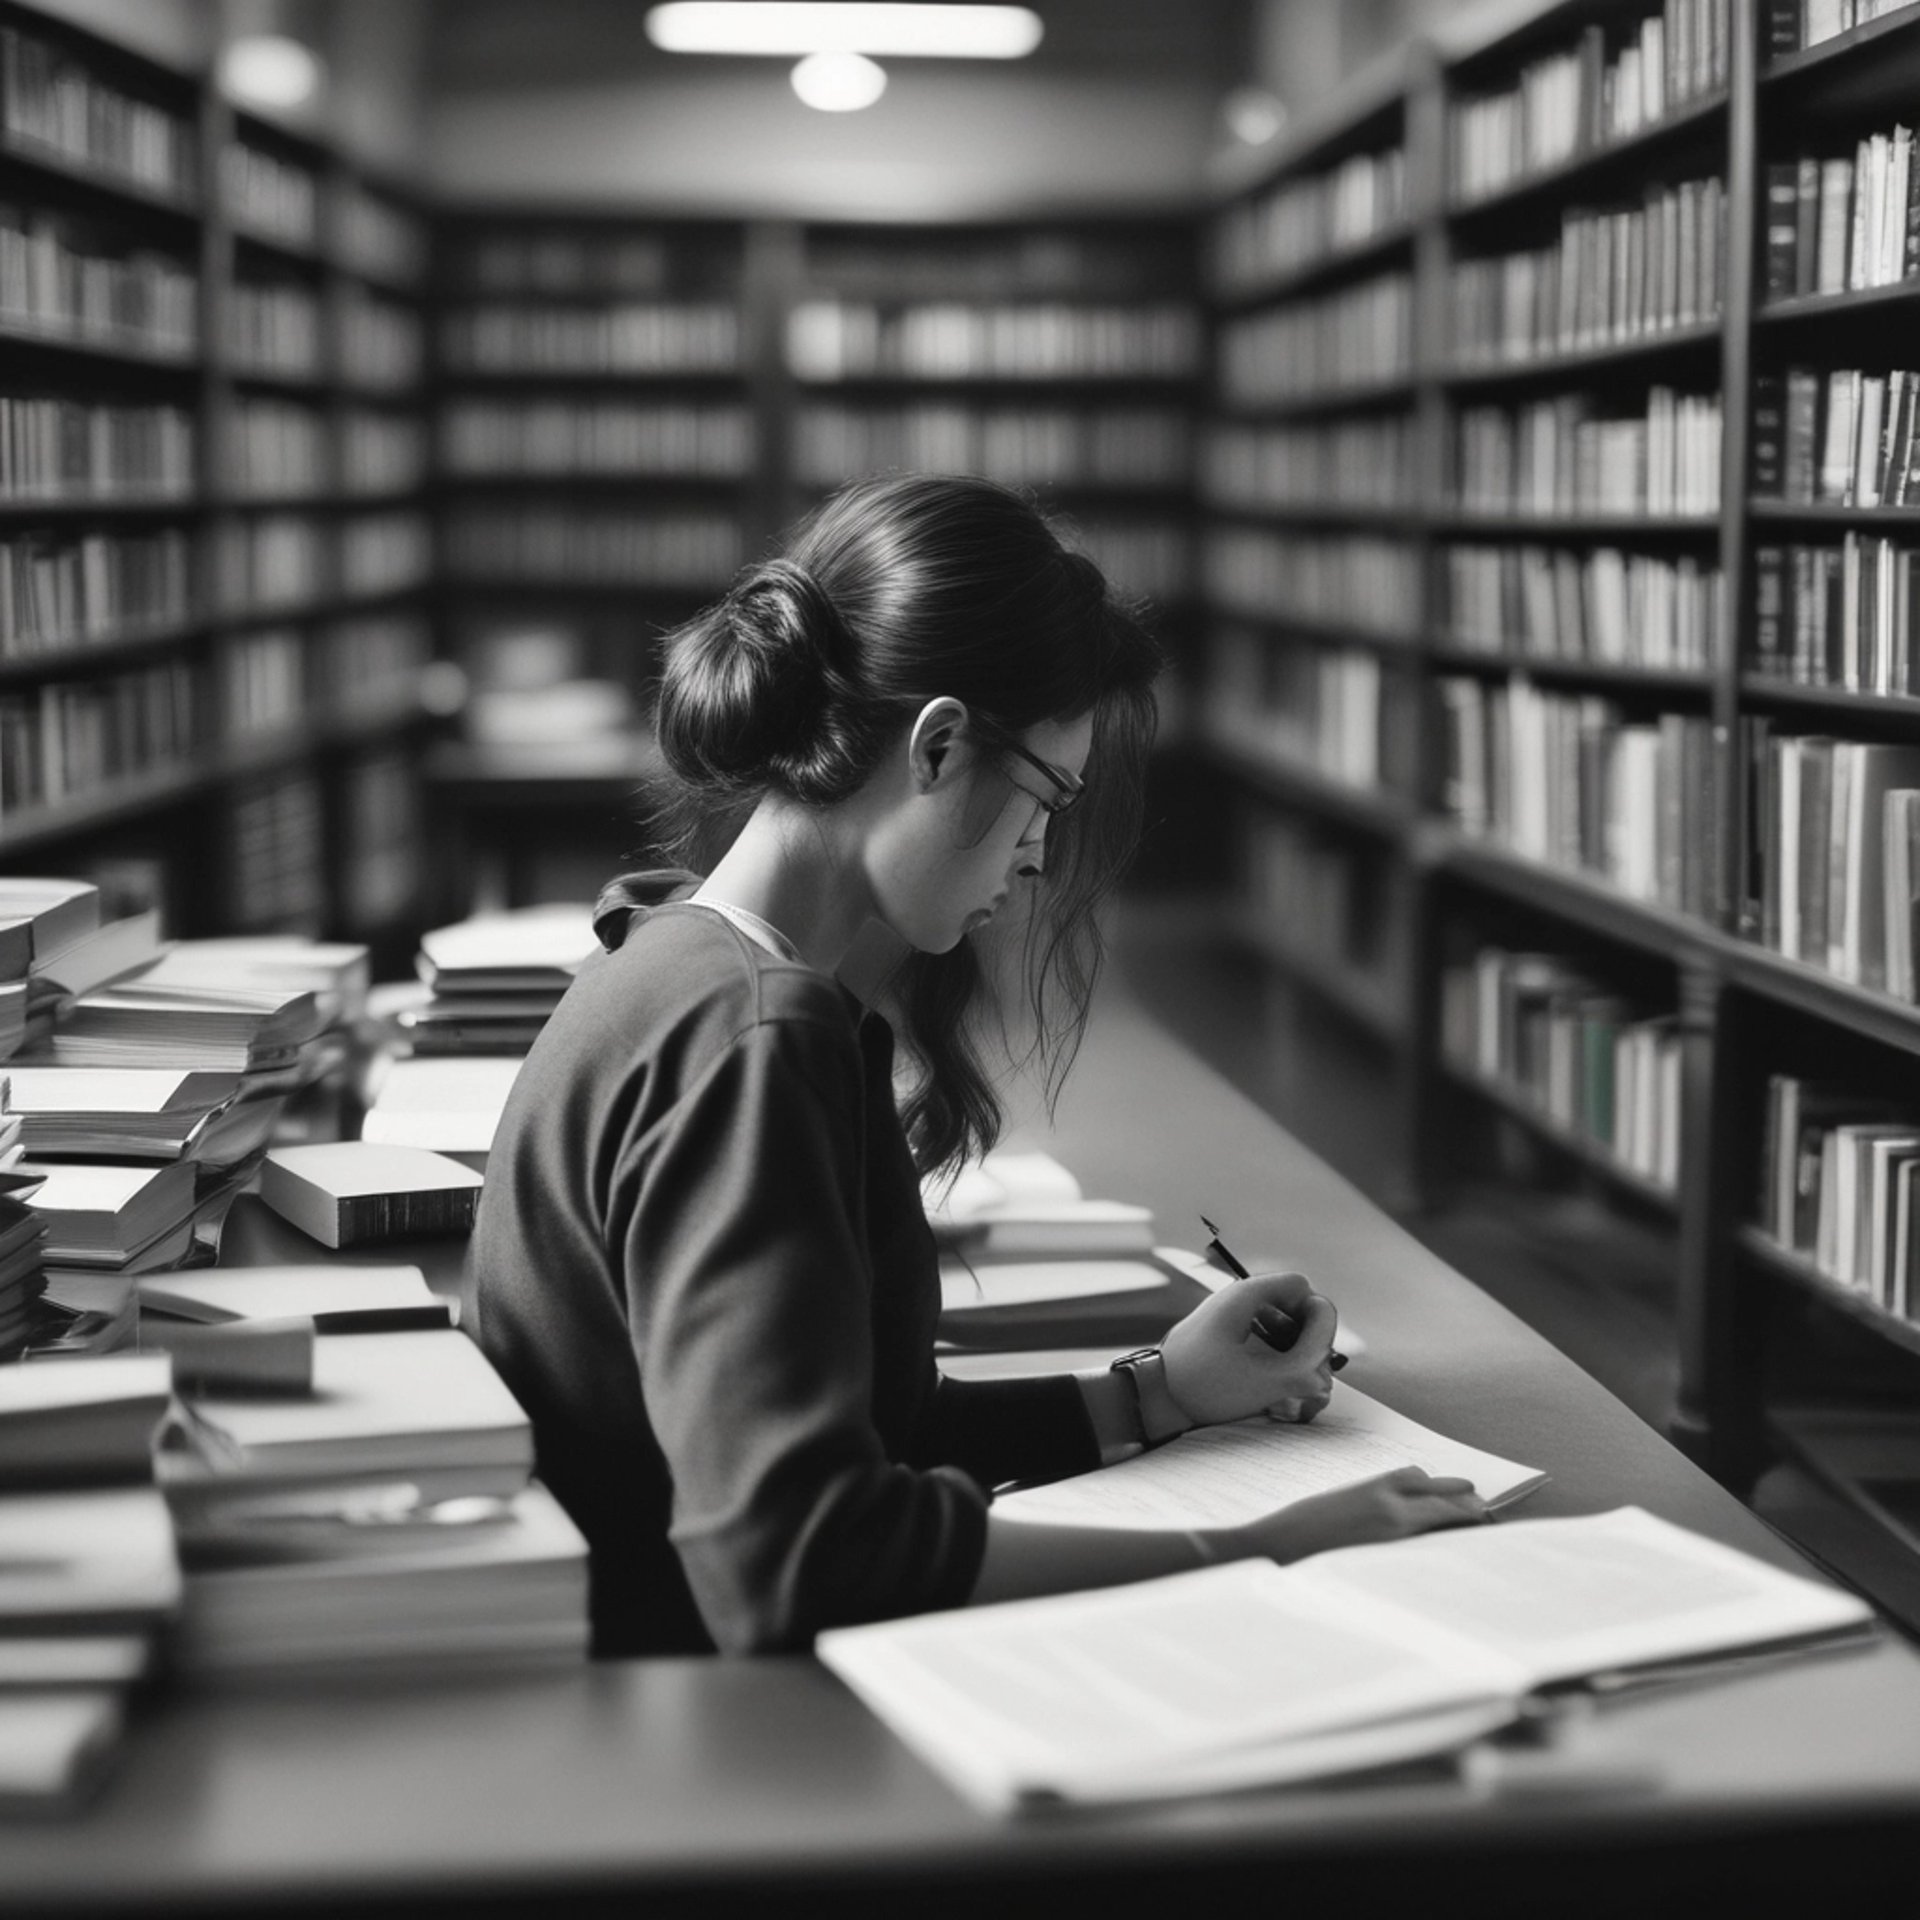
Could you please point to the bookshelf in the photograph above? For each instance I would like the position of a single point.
(212, 529)
(1649, 584)
(628, 407)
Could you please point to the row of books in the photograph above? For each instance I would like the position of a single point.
(1591, 1064)
(1838, 1168)
(1355, 463)
(66, 590)
(714, 440)
(1842, 438)
(1611, 276)
(1298, 222)
(946, 340)
(546, 262)
(382, 345)
(1835, 824)
(52, 448)
(51, 101)
(275, 560)
(1793, 24)
(372, 236)
(384, 839)
(1152, 559)
(268, 195)
(1603, 88)
(278, 447)
(1564, 457)
(1309, 897)
(384, 553)
(273, 327)
(66, 740)
(71, 279)
(1328, 709)
(260, 682)
(1837, 616)
(1570, 781)
(1597, 604)
(1344, 580)
(681, 549)
(1359, 336)
(999, 265)
(380, 452)
(1839, 225)
(283, 201)
(683, 337)
(275, 848)
(370, 664)
(1020, 446)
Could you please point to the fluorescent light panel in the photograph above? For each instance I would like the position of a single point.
(792, 27)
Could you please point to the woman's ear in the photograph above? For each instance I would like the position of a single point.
(936, 731)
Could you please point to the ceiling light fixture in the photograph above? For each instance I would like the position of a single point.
(792, 27)
(839, 82)
(269, 70)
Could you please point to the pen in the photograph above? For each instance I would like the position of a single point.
(1278, 1329)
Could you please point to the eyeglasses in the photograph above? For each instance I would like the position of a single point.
(1068, 788)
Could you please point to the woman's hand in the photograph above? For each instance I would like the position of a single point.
(1393, 1507)
(1219, 1368)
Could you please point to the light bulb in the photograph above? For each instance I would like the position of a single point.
(839, 82)
(269, 70)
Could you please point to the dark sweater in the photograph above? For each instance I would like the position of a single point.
(702, 1265)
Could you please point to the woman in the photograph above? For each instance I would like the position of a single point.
(701, 1260)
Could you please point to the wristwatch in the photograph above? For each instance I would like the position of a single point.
(1155, 1411)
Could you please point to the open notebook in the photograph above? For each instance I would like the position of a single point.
(1252, 1673)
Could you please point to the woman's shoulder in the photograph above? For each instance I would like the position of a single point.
(679, 965)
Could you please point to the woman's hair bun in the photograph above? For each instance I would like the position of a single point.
(748, 687)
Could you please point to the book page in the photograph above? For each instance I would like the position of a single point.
(1114, 1693)
(1567, 1598)
(1227, 1476)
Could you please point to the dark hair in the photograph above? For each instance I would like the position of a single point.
(892, 592)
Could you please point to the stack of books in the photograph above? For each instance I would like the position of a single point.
(385, 1518)
(1026, 1256)
(88, 1571)
(22, 1276)
(54, 945)
(495, 979)
(150, 1103)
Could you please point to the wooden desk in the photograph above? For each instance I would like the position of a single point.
(689, 1782)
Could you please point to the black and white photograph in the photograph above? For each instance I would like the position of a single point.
(959, 957)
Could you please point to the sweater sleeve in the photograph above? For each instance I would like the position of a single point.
(749, 1288)
(1032, 1428)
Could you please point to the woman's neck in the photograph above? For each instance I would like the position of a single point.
(787, 866)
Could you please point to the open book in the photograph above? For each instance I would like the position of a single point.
(1225, 1476)
(1253, 1673)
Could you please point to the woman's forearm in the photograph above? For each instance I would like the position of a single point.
(1025, 1558)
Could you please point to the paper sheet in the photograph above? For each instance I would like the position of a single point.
(1231, 1475)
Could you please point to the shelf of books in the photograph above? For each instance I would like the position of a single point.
(597, 454)
(1574, 396)
(1056, 356)
(210, 480)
